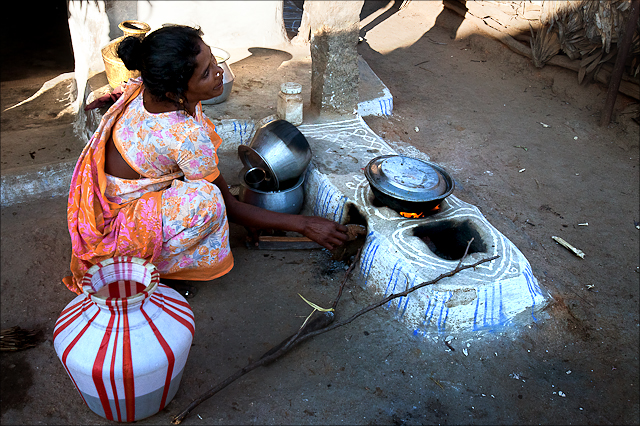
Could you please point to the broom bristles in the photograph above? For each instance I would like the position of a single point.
(16, 338)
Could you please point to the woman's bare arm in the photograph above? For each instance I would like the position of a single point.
(325, 232)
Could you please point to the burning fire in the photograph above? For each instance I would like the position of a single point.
(412, 215)
(420, 214)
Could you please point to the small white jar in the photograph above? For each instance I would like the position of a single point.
(290, 103)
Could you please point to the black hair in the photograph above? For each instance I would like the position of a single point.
(166, 59)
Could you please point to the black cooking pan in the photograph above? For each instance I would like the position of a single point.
(408, 184)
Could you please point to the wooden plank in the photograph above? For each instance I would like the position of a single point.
(618, 69)
(299, 242)
(266, 242)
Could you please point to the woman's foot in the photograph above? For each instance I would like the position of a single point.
(183, 287)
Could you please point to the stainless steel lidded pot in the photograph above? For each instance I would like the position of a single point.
(281, 150)
(408, 184)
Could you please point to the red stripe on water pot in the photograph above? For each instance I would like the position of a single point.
(96, 371)
(177, 302)
(71, 319)
(170, 358)
(70, 308)
(181, 320)
(66, 353)
(127, 367)
(188, 313)
(112, 377)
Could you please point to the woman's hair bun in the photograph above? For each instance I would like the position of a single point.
(129, 50)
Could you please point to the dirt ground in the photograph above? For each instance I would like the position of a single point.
(522, 143)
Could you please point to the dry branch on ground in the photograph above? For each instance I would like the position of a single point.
(323, 324)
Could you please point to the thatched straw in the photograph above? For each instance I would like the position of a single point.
(586, 31)
(544, 46)
(588, 28)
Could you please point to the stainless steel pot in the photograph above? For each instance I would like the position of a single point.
(222, 56)
(280, 149)
(257, 178)
(407, 184)
(286, 201)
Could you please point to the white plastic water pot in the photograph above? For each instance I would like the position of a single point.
(125, 341)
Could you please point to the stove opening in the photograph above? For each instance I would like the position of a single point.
(448, 239)
(422, 214)
(354, 216)
(409, 215)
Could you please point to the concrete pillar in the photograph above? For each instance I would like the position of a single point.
(334, 28)
(118, 11)
(89, 30)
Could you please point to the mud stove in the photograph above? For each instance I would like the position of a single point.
(401, 252)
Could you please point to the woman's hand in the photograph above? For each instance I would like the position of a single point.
(325, 232)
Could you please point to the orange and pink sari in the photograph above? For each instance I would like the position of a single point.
(173, 215)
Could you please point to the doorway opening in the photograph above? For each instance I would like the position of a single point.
(292, 15)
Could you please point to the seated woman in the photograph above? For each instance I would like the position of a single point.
(147, 184)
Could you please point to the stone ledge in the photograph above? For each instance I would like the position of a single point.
(27, 184)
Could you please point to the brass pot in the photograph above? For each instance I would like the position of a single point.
(134, 28)
(116, 72)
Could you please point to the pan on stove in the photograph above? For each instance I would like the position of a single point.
(408, 184)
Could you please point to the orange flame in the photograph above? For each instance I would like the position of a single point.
(411, 215)
(421, 214)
